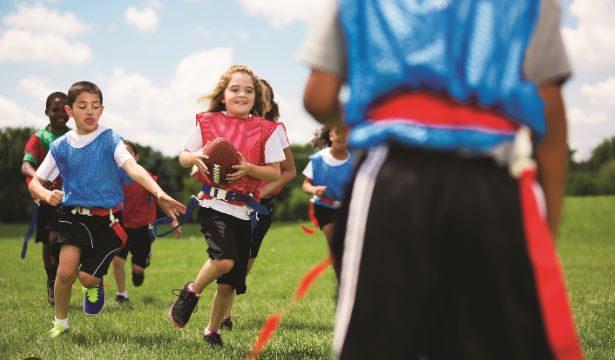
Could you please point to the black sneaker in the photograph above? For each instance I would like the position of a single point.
(121, 299)
(227, 323)
(137, 279)
(213, 339)
(183, 307)
(50, 291)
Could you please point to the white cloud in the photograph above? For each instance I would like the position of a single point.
(36, 87)
(300, 126)
(601, 93)
(591, 42)
(39, 19)
(587, 130)
(144, 20)
(283, 12)
(20, 45)
(162, 116)
(37, 34)
(12, 115)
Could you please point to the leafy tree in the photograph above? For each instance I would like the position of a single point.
(14, 195)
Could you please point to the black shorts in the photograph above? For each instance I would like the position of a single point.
(92, 234)
(325, 215)
(264, 222)
(435, 248)
(139, 244)
(47, 220)
(227, 238)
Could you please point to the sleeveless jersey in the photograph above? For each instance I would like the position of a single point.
(90, 175)
(462, 51)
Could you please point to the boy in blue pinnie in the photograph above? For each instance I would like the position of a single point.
(88, 158)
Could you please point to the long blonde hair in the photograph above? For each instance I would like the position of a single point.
(216, 96)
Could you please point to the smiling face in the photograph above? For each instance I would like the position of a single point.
(57, 115)
(86, 110)
(239, 95)
(338, 139)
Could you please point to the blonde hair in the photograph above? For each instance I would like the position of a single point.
(216, 96)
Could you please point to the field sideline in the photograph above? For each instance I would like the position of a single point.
(142, 330)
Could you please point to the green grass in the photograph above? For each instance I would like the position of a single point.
(142, 329)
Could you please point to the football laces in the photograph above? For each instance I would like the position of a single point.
(217, 169)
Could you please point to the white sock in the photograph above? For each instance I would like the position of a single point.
(63, 322)
(124, 294)
(207, 332)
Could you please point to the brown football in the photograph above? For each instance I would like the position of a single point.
(222, 156)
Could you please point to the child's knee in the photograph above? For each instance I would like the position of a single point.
(89, 281)
(65, 276)
(225, 265)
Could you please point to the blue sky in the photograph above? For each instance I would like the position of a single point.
(154, 58)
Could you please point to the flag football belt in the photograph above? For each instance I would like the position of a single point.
(215, 193)
(115, 223)
(334, 203)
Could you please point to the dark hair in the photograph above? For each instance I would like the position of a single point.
(216, 96)
(132, 146)
(53, 96)
(274, 113)
(321, 138)
(83, 86)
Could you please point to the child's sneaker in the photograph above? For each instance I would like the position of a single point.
(137, 279)
(121, 299)
(50, 291)
(56, 331)
(213, 339)
(227, 323)
(184, 306)
(94, 299)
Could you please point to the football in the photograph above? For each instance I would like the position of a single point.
(222, 156)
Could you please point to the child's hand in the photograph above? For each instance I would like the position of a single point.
(320, 190)
(178, 232)
(243, 169)
(170, 206)
(197, 158)
(54, 197)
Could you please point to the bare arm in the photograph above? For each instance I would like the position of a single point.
(27, 169)
(321, 98)
(169, 205)
(287, 173)
(312, 189)
(552, 153)
(267, 172)
(38, 191)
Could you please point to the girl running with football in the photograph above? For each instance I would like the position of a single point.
(227, 211)
(268, 190)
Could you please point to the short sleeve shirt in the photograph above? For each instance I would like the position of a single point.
(545, 61)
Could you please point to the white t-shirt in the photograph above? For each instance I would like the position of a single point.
(327, 158)
(274, 152)
(49, 169)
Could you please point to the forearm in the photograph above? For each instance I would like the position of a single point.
(309, 188)
(552, 154)
(141, 176)
(27, 169)
(286, 175)
(185, 159)
(269, 172)
(321, 98)
(37, 190)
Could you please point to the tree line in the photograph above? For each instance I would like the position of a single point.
(595, 176)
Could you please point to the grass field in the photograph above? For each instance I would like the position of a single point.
(141, 330)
